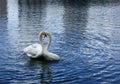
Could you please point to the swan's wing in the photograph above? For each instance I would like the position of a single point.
(32, 55)
(51, 56)
(33, 50)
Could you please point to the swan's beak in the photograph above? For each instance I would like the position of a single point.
(45, 35)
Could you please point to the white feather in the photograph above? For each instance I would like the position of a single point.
(38, 50)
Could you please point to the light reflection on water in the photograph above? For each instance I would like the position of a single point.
(85, 34)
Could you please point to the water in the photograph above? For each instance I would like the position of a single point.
(85, 34)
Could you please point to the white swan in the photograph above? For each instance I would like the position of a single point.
(39, 50)
(35, 50)
(48, 55)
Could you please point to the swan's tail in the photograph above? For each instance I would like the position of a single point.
(51, 56)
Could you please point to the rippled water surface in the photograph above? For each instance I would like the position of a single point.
(85, 34)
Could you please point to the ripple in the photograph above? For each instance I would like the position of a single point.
(86, 36)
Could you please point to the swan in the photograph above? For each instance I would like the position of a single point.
(35, 50)
(49, 55)
(39, 50)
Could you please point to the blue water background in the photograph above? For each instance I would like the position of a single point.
(85, 34)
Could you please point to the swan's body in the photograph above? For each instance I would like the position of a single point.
(50, 56)
(34, 50)
(39, 50)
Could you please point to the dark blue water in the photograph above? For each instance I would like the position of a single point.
(85, 34)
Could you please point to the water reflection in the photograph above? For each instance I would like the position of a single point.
(85, 33)
(104, 2)
(3, 8)
(13, 22)
(75, 3)
(53, 21)
(44, 72)
(75, 20)
(106, 21)
(3, 15)
(30, 20)
(3, 25)
(32, 2)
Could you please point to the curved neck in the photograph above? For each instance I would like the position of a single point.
(41, 40)
(49, 40)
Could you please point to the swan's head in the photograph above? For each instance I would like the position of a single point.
(42, 34)
(45, 35)
(48, 35)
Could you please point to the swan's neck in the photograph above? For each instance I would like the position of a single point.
(49, 40)
(41, 40)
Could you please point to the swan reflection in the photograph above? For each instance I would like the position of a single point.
(44, 72)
